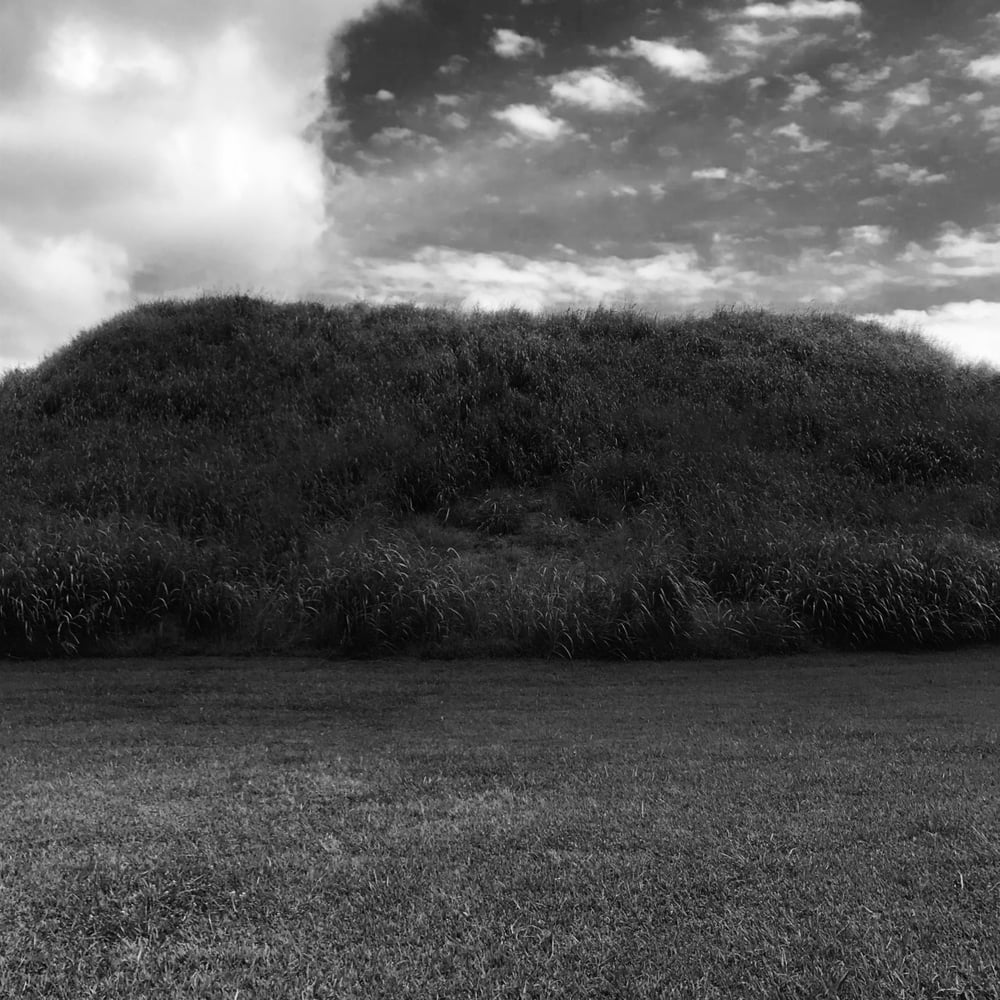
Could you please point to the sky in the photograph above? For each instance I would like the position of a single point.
(548, 154)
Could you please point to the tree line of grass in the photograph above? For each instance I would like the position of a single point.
(363, 479)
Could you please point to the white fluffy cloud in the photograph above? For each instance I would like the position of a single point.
(901, 100)
(967, 329)
(49, 282)
(803, 89)
(864, 267)
(972, 254)
(801, 10)
(287, 32)
(597, 89)
(82, 59)
(865, 236)
(687, 64)
(510, 45)
(500, 280)
(532, 122)
(909, 175)
(803, 144)
(957, 255)
(747, 40)
(145, 156)
(985, 68)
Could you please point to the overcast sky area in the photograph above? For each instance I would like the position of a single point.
(549, 154)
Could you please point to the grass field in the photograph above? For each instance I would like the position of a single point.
(807, 827)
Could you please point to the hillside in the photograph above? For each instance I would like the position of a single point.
(232, 471)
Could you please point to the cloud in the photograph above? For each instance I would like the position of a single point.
(989, 120)
(179, 149)
(86, 61)
(803, 143)
(674, 276)
(866, 236)
(532, 122)
(857, 110)
(863, 268)
(908, 175)
(398, 135)
(914, 95)
(967, 329)
(749, 40)
(286, 34)
(147, 152)
(856, 80)
(597, 89)
(499, 280)
(955, 256)
(970, 254)
(510, 45)
(985, 68)
(47, 283)
(804, 88)
(801, 10)
(687, 64)
(454, 66)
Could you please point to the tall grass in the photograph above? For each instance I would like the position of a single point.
(78, 586)
(575, 612)
(179, 470)
(383, 597)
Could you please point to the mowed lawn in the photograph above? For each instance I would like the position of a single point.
(206, 828)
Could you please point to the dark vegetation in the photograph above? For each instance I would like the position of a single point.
(232, 474)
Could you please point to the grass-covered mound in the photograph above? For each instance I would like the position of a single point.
(232, 472)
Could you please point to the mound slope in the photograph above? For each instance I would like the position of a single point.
(247, 444)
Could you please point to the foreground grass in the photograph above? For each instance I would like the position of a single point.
(212, 828)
